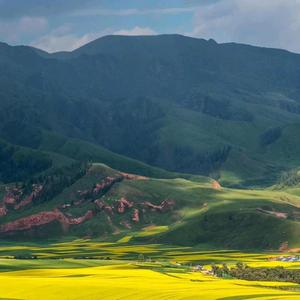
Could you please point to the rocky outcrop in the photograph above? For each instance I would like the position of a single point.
(136, 216)
(24, 202)
(122, 204)
(164, 206)
(102, 206)
(76, 221)
(3, 210)
(100, 187)
(13, 197)
(277, 214)
(44, 218)
(133, 176)
(9, 199)
(106, 184)
(216, 185)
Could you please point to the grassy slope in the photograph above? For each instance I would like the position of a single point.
(223, 218)
(231, 219)
(85, 151)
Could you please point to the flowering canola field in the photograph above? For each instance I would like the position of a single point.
(115, 271)
(129, 280)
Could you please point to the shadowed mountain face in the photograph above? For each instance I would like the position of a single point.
(183, 104)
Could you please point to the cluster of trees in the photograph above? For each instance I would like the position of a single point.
(290, 178)
(242, 271)
(17, 163)
(189, 161)
(58, 180)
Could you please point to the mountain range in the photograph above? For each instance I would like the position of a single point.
(166, 131)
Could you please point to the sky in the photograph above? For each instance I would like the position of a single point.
(56, 25)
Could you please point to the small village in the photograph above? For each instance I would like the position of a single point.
(292, 258)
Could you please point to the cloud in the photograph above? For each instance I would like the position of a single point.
(268, 23)
(19, 8)
(136, 31)
(134, 11)
(63, 39)
(12, 30)
(32, 24)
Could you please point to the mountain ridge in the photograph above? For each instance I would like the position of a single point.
(194, 139)
(166, 84)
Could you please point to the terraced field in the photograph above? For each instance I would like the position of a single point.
(126, 271)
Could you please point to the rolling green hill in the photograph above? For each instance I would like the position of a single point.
(100, 202)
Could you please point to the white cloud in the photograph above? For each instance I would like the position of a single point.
(12, 30)
(136, 31)
(63, 39)
(133, 11)
(268, 23)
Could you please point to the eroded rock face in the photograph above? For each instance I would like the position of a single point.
(44, 218)
(3, 211)
(105, 184)
(277, 214)
(122, 204)
(76, 221)
(24, 202)
(9, 199)
(216, 185)
(164, 206)
(102, 206)
(133, 176)
(13, 197)
(136, 216)
(133, 212)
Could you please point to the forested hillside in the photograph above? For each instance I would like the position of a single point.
(188, 105)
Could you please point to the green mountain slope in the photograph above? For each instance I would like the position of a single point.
(174, 111)
(187, 105)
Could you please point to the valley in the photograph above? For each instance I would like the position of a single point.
(149, 167)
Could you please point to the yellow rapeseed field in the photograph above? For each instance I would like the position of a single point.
(127, 280)
(116, 272)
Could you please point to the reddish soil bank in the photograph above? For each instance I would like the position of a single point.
(122, 204)
(133, 176)
(216, 185)
(136, 216)
(164, 206)
(44, 218)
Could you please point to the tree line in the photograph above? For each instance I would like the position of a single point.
(242, 271)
